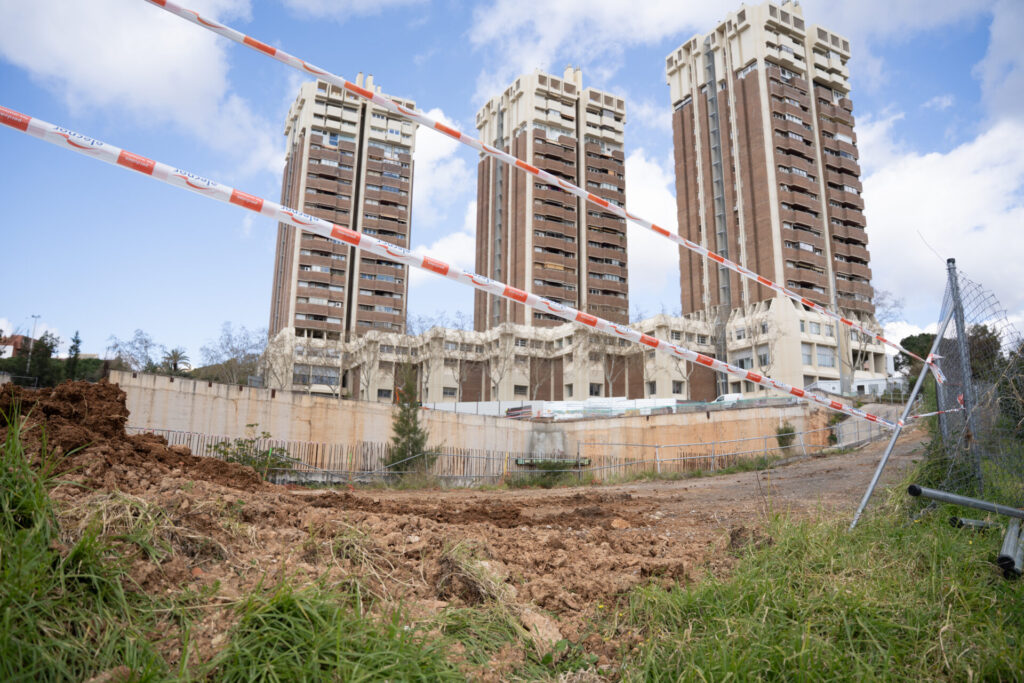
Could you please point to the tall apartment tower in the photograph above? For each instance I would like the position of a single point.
(349, 162)
(766, 163)
(535, 236)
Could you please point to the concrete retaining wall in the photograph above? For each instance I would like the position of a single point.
(160, 402)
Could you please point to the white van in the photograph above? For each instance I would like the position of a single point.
(728, 398)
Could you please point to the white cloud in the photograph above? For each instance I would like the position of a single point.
(901, 329)
(1001, 72)
(442, 175)
(343, 9)
(654, 115)
(653, 261)
(456, 248)
(875, 140)
(940, 102)
(967, 203)
(522, 36)
(139, 62)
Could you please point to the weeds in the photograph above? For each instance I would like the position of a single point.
(64, 611)
(318, 634)
(889, 601)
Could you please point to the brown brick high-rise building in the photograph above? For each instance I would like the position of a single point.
(349, 162)
(766, 164)
(535, 236)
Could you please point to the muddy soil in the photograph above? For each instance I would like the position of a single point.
(567, 552)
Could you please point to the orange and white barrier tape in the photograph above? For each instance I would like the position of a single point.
(426, 121)
(76, 142)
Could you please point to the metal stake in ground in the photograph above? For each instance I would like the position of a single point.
(899, 426)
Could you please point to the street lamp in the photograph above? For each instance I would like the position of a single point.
(31, 342)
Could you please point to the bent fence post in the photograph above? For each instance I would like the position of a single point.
(899, 424)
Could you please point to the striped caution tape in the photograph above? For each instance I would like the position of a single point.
(76, 142)
(426, 121)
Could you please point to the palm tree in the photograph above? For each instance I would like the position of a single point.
(176, 362)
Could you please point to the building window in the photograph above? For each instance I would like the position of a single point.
(677, 386)
(568, 391)
(449, 392)
(519, 390)
(595, 389)
(805, 354)
(383, 394)
(652, 388)
(676, 335)
(826, 357)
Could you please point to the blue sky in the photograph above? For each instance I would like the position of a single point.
(938, 91)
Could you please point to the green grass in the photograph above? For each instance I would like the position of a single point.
(484, 631)
(65, 612)
(317, 634)
(889, 601)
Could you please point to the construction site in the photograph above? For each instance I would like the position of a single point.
(762, 487)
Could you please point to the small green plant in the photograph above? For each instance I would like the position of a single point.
(785, 434)
(248, 451)
(409, 452)
(547, 475)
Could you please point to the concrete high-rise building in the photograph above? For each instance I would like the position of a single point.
(350, 162)
(535, 236)
(767, 174)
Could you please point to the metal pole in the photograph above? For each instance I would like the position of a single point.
(965, 365)
(896, 432)
(712, 456)
(1010, 542)
(966, 522)
(31, 343)
(657, 458)
(954, 499)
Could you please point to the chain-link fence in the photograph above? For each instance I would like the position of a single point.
(977, 447)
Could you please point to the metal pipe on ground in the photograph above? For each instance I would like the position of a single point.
(972, 524)
(1011, 542)
(954, 499)
(1014, 572)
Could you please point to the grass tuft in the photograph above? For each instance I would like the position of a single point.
(889, 601)
(318, 634)
(65, 613)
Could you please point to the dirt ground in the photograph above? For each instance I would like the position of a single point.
(560, 555)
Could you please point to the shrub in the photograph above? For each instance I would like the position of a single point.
(785, 434)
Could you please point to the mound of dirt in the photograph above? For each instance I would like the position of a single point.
(85, 424)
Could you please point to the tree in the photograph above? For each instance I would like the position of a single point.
(137, 354)
(71, 367)
(888, 309)
(410, 439)
(43, 369)
(233, 356)
(175, 361)
(921, 344)
(985, 350)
